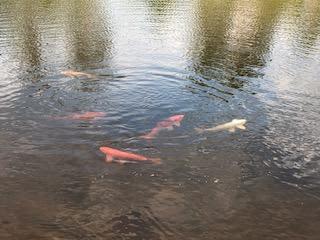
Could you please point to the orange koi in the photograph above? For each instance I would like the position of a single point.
(115, 155)
(86, 116)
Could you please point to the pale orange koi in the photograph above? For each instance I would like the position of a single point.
(73, 74)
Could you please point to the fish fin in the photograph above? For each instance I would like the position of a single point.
(155, 160)
(170, 128)
(109, 158)
(178, 124)
(199, 130)
(147, 137)
(88, 75)
(122, 162)
(242, 127)
(232, 130)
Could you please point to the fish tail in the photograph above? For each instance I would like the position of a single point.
(155, 160)
(147, 136)
(88, 75)
(199, 130)
(56, 118)
(151, 135)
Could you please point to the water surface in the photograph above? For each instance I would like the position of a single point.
(212, 60)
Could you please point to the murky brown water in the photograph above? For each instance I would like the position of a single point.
(212, 60)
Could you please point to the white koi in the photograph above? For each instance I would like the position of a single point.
(230, 126)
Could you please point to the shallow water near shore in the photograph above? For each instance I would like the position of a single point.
(211, 60)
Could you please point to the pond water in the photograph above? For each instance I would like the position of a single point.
(211, 60)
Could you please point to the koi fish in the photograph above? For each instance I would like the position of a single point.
(115, 155)
(74, 74)
(87, 116)
(167, 124)
(230, 126)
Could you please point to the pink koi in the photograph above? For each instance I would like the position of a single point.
(167, 124)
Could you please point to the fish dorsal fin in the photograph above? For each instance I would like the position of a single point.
(232, 129)
(109, 158)
(241, 127)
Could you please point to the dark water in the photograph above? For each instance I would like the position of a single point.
(212, 60)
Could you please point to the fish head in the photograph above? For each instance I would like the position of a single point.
(105, 150)
(176, 118)
(69, 73)
(239, 121)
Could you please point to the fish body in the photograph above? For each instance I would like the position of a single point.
(86, 116)
(167, 124)
(230, 126)
(115, 155)
(73, 74)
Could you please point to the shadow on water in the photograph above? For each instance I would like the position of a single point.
(228, 54)
(89, 36)
(159, 8)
